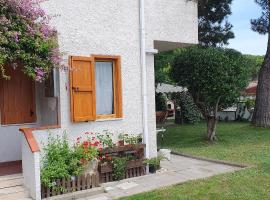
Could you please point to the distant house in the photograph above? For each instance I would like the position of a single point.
(251, 90)
(240, 110)
(109, 48)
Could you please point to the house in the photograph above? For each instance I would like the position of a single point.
(244, 108)
(108, 48)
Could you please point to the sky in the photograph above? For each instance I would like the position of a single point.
(246, 41)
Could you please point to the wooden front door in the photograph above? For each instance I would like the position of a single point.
(17, 98)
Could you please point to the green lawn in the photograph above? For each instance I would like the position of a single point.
(239, 143)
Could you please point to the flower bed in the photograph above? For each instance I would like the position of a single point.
(92, 159)
(68, 185)
(134, 166)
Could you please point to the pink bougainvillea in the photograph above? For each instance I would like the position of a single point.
(26, 36)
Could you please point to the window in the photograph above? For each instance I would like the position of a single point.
(17, 98)
(104, 88)
(96, 91)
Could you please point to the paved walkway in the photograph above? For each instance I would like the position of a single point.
(180, 169)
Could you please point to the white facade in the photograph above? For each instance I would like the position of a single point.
(89, 27)
(111, 27)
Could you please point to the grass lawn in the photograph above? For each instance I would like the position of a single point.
(238, 142)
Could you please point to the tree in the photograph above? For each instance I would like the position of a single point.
(261, 116)
(214, 28)
(256, 62)
(214, 77)
(163, 62)
(26, 37)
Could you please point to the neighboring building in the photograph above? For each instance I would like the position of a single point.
(240, 111)
(251, 90)
(111, 82)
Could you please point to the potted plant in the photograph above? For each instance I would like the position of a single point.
(154, 163)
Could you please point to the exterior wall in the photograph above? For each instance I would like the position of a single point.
(89, 27)
(11, 138)
(151, 105)
(93, 29)
(31, 170)
(10, 141)
(171, 24)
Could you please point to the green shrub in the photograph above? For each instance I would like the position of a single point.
(190, 111)
(119, 167)
(61, 160)
(161, 103)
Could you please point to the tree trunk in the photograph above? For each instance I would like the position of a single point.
(261, 115)
(211, 128)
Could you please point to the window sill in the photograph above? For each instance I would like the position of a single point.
(109, 119)
(19, 125)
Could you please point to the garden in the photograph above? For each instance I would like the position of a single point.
(93, 159)
(238, 143)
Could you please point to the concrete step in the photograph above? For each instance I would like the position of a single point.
(24, 195)
(11, 182)
(10, 177)
(11, 188)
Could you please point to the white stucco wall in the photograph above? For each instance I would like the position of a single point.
(31, 170)
(112, 28)
(171, 24)
(11, 137)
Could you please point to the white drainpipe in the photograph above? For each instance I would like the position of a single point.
(144, 79)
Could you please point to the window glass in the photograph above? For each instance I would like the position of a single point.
(104, 88)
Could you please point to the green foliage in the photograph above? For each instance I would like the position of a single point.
(239, 143)
(119, 167)
(213, 76)
(189, 110)
(162, 66)
(106, 139)
(261, 25)
(155, 162)
(250, 103)
(60, 160)
(256, 64)
(161, 102)
(130, 138)
(214, 28)
(26, 38)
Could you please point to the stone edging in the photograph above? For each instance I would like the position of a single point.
(212, 160)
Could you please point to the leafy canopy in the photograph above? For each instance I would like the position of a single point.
(214, 28)
(212, 75)
(256, 63)
(261, 25)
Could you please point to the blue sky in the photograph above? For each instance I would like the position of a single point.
(246, 41)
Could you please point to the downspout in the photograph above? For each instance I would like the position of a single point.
(144, 79)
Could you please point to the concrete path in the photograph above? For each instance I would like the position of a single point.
(179, 170)
(11, 188)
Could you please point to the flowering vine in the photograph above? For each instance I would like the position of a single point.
(27, 38)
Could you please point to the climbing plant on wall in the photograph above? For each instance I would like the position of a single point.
(27, 38)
